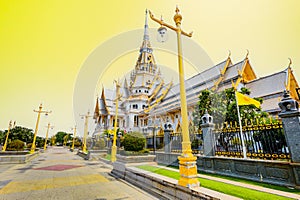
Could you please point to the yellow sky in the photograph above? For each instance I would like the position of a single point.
(45, 43)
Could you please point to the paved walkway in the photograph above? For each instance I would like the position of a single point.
(60, 174)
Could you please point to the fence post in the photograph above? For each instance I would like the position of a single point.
(207, 127)
(167, 133)
(290, 116)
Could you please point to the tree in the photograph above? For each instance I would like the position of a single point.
(59, 137)
(222, 106)
(18, 133)
(2, 137)
(39, 141)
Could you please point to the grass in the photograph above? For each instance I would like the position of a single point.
(229, 189)
(107, 157)
(266, 185)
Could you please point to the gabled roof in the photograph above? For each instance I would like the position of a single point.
(106, 103)
(271, 105)
(265, 86)
(193, 85)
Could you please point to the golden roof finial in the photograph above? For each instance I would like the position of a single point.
(247, 54)
(229, 53)
(290, 63)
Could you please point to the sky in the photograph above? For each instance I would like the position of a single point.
(46, 45)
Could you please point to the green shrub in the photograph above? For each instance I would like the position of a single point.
(28, 146)
(16, 145)
(145, 151)
(196, 143)
(77, 144)
(134, 141)
(99, 144)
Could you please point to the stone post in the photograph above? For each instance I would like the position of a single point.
(167, 132)
(208, 136)
(290, 116)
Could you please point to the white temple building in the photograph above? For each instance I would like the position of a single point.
(147, 98)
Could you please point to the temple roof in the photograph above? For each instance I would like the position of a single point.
(106, 103)
(266, 85)
(193, 85)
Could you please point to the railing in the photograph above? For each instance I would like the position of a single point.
(155, 143)
(262, 141)
(176, 142)
(196, 143)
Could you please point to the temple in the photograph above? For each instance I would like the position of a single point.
(148, 101)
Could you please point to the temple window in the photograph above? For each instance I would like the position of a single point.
(136, 121)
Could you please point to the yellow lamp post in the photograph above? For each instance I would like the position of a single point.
(86, 117)
(8, 131)
(72, 149)
(114, 146)
(46, 139)
(187, 161)
(37, 126)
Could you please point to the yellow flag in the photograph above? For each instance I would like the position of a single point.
(245, 100)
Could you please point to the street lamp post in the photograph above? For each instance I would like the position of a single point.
(85, 130)
(46, 139)
(37, 126)
(72, 149)
(187, 161)
(6, 139)
(154, 135)
(114, 147)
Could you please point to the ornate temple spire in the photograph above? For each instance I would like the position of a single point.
(146, 40)
(146, 31)
(96, 112)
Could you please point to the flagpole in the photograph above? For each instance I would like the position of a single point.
(240, 124)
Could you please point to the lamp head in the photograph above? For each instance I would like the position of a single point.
(162, 35)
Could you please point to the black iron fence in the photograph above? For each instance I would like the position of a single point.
(175, 142)
(155, 142)
(264, 141)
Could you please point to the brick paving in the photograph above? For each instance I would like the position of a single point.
(61, 174)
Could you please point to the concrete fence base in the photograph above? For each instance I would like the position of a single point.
(281, 173)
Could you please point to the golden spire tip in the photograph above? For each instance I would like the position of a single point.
(177, 9)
